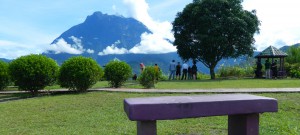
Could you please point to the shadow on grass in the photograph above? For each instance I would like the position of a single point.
(14, 96)
(5, 97)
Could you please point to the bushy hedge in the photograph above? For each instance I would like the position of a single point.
(4, 76)
(236, 71)
(33, 72)
(79, 73)
(117, 72)
(293, 70)
(149, 77)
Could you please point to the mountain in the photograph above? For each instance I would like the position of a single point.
(285, 48)
(101, 30)
(5, 60)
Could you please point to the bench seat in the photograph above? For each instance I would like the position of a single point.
(178, 107)
(242, 110)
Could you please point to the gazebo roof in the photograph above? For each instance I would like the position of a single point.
(271, 52)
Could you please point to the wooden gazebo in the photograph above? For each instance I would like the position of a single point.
(273, 53)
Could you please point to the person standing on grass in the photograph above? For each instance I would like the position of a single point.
(190, 74)
(184, 70)
(178, 71)
(194, 70)
(274, 69)
(172, 69)
(267, 69)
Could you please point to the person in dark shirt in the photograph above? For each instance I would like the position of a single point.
(134, 77)
(274, 69)
(267, 69)
(194, 70)
(190, 74)
(178, 71)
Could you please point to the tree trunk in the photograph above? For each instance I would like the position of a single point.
(34, 93)
(212, 73)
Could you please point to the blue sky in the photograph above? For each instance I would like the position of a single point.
(30, 26)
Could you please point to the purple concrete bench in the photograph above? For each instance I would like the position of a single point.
(242, 110)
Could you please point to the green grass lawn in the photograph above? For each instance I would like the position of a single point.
(203, 84)
(211, 84)
(102, 113)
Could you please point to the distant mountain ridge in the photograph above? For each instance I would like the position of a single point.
(5, 60)
(285, 48)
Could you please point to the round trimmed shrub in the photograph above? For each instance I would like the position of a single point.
(79, 73)
(117, 72)
(33, 72)
(4, 76)
(149, 77)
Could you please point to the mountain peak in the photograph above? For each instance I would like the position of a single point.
(99, 16)
(101, 31)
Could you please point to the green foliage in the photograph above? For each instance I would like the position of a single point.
(235, 71)
(202, 76)
(294, 70)
(33, 72)
(149, 77)
(117, 72)
(292, 62)
(210, 30)
(4, 76)
(79, 73)
(293, 55)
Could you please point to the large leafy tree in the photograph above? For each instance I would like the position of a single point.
(210, 30)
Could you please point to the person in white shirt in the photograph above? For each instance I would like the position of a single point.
(172, 69)
(184, 70)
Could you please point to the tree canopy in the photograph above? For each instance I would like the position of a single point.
(210, 30)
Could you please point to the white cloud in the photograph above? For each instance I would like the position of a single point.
(113, 49)
(12, 50)
(151, 43)
(61, 46)
(279, 22)
(90, 51)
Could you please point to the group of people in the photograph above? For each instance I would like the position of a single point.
(177, 71)
(270, 69)
(187, 71)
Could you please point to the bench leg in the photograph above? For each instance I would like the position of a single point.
(146, 127)
(247, 124)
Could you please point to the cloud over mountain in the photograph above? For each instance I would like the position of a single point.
(104, 34)
(155, 42)
(101, 34)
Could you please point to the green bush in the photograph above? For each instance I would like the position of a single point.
(294, 70)
(149, 77)
(79, 73)
(33, 72)
(117, 72)
(236, 71)
(4, 76)
(202, 76)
